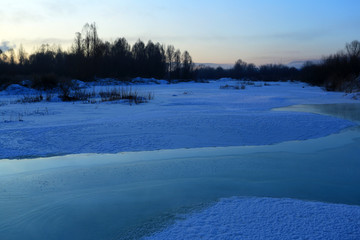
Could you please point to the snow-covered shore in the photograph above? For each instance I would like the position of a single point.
(184, 115)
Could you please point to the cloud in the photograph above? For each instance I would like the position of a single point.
(5, 46)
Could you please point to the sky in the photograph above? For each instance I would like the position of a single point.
(218, 31)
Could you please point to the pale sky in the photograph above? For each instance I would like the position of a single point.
(218, 31)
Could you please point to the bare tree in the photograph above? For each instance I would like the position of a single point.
(170, 55)
(239, 69)
(187, 65)
(21, 55)
(3, 56)
(95, 41)
(87, 39)
(12, 56)
(177, 63)
(353, 48)
(77, 47)
(120, 47)
(139, 57)
(91, 42)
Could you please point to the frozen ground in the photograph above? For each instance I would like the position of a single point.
(184, 115)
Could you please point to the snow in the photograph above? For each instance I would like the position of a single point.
(139, 80)
(192, 115)
(16, 89)
(62, 191)
(267, 218)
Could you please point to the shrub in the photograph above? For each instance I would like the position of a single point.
(236, 87)
(45, 81)
(6, 80)
(78, 95)
(48, 97)
(31, 99)
(125, 93)
(226, 86)
(65, 86)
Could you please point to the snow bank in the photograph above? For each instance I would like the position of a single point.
(16, 89)
(267, 218)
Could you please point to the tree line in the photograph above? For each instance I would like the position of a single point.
(249, 71)
(337, 72)
(91, 57)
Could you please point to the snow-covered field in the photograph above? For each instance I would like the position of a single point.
(184, 115)
(100, 192)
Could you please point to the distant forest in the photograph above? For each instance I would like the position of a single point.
(90, 57)
(337, 72)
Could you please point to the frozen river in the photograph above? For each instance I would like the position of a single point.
(119, 196)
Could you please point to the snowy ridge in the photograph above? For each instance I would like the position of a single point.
(267, 218)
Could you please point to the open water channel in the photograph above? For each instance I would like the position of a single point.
(129, 195)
